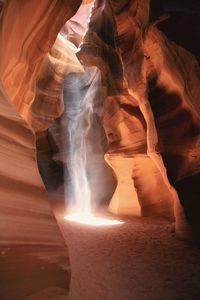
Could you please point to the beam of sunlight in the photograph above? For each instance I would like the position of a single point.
(81, 91)
(80, 94)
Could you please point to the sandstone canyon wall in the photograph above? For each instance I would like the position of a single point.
(26, 35)
(151, 109)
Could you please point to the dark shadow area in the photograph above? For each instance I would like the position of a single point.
(189, 192)
(182, 24)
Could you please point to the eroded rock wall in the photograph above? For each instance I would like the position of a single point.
(25, 216)
(27, 32)
(152, 101)
(173, 79)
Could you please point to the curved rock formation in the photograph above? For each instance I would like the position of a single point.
(24, 207)
(48, 104)
(174, 97)
(31, 43)
(124, 119)
(150, 95)
(25, 214)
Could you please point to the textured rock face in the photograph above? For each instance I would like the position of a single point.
(126, 118)
(25, 214)
(48, 104)
(32, 40)
(174, 96)
(152, 100)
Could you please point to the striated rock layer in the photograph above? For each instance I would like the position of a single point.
(151, 104)
(174, 96)
(25, 214)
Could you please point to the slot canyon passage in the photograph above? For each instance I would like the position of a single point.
(99, 150)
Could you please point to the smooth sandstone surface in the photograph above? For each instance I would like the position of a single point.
(28, 42)
(25, 213)
(26, 217)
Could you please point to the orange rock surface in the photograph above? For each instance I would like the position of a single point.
(151, 101)
(26, 34)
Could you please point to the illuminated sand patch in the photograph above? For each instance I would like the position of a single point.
(90, 219)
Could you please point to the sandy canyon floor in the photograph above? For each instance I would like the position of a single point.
(150, 262)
